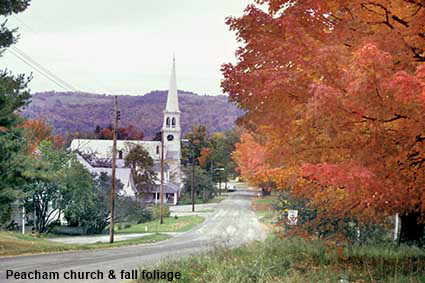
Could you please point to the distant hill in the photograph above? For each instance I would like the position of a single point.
(71, 112)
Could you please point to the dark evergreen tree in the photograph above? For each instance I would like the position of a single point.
(13, 95)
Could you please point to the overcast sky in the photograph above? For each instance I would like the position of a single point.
(126, 46)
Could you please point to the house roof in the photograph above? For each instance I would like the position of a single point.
(103, 148)
(123, 174)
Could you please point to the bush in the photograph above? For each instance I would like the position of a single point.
(73, 231)
(131, 210)
(312, 222)
(156, 210)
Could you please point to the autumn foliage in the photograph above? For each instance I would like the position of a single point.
(337, 90)
(36, 131)
(249, 155)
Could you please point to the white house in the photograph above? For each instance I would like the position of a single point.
(96, 155)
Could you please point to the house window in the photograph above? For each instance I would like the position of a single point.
(157, 149)
(173, 122)
(120, 154)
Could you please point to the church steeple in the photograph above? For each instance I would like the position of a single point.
(172, 98)
(171, 127)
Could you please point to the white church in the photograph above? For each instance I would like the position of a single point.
(102, 150)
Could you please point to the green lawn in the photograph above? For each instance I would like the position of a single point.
(171, 224)
(13, 243)
(297, 261)
(188, 200)
(264, 200)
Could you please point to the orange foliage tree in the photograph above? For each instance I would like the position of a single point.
(38, 130)
(249, 155)
(337, 88)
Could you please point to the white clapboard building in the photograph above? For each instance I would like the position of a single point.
(92, 152)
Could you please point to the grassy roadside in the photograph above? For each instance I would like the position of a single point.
(171, 224)
(297, 261)
(188, 201)
(262, 206)
(12, 243)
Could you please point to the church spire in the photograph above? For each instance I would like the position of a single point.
(172, 98)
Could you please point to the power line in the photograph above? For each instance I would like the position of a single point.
(35, 32)
(26, 56)
(36, 69)
(40, 71)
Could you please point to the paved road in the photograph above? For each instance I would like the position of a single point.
(231, 224)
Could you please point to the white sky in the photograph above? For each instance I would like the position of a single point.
(126, 46)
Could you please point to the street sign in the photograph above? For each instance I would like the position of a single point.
(292, 217)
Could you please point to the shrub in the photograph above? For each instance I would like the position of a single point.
(156, 210)
(130, 210)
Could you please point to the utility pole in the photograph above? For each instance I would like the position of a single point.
(193, 182)
(219, 179)
(161, 193)
(23, 219)
(114, 157)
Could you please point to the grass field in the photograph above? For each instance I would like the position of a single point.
(13, 243)
(171, 224)
(297, 261)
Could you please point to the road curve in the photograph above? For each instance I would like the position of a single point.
(233, 223)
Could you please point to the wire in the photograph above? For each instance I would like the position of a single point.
(26, 56)
(40, 71)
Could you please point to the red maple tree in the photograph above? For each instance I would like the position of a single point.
(337, 89)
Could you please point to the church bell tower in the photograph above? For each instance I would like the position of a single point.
(171, 127)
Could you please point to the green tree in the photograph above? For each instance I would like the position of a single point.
(87, 199)
(141, 165)
(45, 186)
(13, 95)
(222, 145)
(204, 186)
(197, 140)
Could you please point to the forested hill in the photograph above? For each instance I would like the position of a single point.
(71, 112)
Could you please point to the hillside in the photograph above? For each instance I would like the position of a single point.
(80, 112)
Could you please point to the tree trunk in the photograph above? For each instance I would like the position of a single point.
(412, 230)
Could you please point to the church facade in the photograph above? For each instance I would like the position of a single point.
(95, 155)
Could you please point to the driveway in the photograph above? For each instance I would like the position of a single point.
(232, 224)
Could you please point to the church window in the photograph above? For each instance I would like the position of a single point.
(120, 154)
(168, 122)
(157, 149)
(173, 122)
